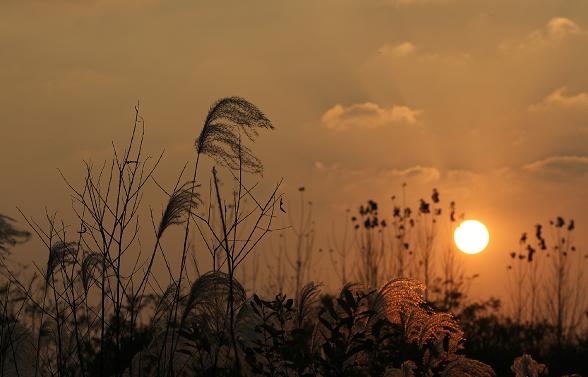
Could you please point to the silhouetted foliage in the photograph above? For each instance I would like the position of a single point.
(87, 314)
(496, 339)
(9, 235)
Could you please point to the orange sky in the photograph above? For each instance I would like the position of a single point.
(485, 100)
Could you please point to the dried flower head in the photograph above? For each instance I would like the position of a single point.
(61, 253)
(220, 138)
(180, 203)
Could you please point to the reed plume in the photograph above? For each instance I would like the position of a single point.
(90, 263)
(208, 294)
(61, 253)
(9, 236)
(220, 137)
(182, 201)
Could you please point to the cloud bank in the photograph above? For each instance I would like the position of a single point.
(367, 115)
(560, 98)
(558, 167)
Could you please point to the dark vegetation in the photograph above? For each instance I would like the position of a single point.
(95, 307)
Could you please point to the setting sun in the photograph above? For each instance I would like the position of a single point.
(471, 237)
(197, 187)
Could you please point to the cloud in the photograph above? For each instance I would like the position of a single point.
(372, 177)
(367, 115)
(561, 27)
(461, 176)
(345, 184)
(399, 51)
(425, 173)
(561, 99)
(388, 52)
(556, 30)
(558, 167)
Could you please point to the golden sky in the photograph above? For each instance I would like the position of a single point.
(487, 100)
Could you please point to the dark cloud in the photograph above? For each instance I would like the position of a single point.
(367, 115)
(562, 99)
(559, 167)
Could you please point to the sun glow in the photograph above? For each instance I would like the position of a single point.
(471, 237)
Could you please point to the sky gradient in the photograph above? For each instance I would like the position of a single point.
(485, 100)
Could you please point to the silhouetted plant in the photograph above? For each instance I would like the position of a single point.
(565, 295)
(89, 312)
(301, 260)
(426, 232)
(289, 267)
(17, 347)
(402, 224)
(370, 241)
(522, 278)
(549, 271)
(221, 138)
(525, 366)
(340, 250)
(454, 282)
(279, 343)
(407, 245)
(9, 235)
(202, 340)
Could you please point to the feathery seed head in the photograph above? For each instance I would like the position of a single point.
(182, 201)
(220, 138)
